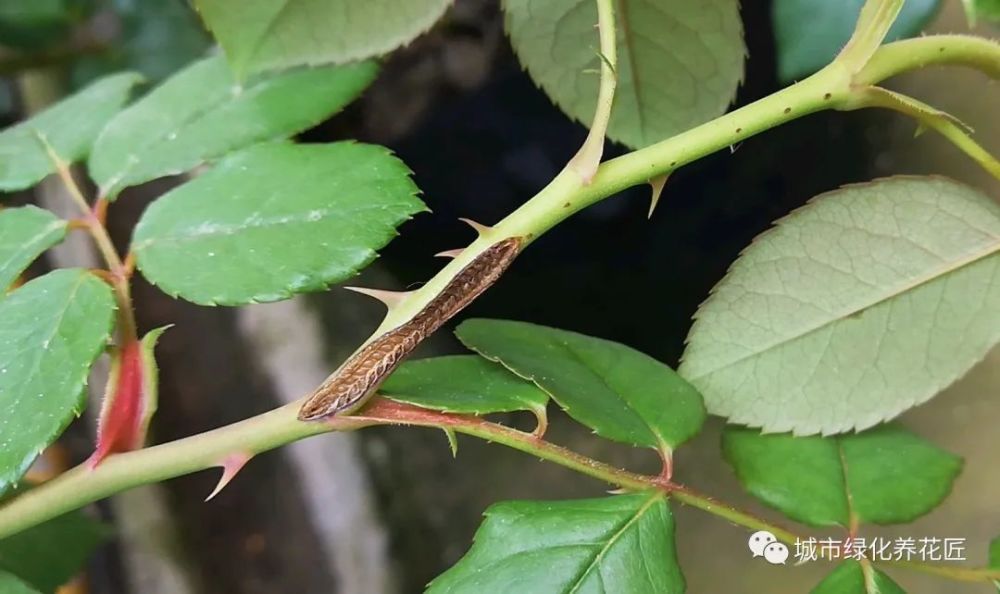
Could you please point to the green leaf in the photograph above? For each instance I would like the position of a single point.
(679, 62)
(11, 584)
(155, 39)
(48, 555)
(463, 384)
(25, 233)
(617, 391)
(988, 10)
(849, 578)
(885, 475)
(852, 309)
(613, 544)
(51, 330)
(276, 34)
(809, 33)
(69, 127)
(273, 221)
(201, 113)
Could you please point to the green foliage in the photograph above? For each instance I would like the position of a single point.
(273, 221)
(613, 544)
(463, 384)
(25, 233)
(51, 330)
(679, 62)
(852, 309)
(849, 578)
(202, 113)
(277, 34)
(885, 475)
(50, 554)
(617, 391)
(34, 24)
(11, 584)
(69, 127)
(988, 10)
(809, 33)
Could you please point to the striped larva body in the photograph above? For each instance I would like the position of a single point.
(348, 388)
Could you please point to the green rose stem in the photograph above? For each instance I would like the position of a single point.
(831, 88)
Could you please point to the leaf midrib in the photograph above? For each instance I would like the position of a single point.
(654, 497)
(972, 258)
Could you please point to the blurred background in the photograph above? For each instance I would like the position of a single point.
(387, 509)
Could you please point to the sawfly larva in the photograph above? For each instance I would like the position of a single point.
(348, 388)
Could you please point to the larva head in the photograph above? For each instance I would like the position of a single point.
(503, 252)
(339, 399)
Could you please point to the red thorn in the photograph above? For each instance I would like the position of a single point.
(231, 465)
(449, 253)
(479, 227)
(389, 298)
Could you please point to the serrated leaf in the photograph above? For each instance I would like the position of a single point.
(462, 384)
(886, 475)
(849, 578)
(679, 62)
(69, 127)
(51, 330)
(11, 584)
(614, 544)
(25, 233)
(201, 113)
(617, 391)
(852, 309)
(809, 33)
(48, 555)
(276, 34)
(273, 221)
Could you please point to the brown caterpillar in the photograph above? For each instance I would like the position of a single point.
(348, 388)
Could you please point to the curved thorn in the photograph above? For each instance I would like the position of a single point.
(389, 298)
(449, 253)
(479, 227)
(231, 465)
(452, 441)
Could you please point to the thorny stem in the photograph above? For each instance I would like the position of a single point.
(280, 426)
(831, 88)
